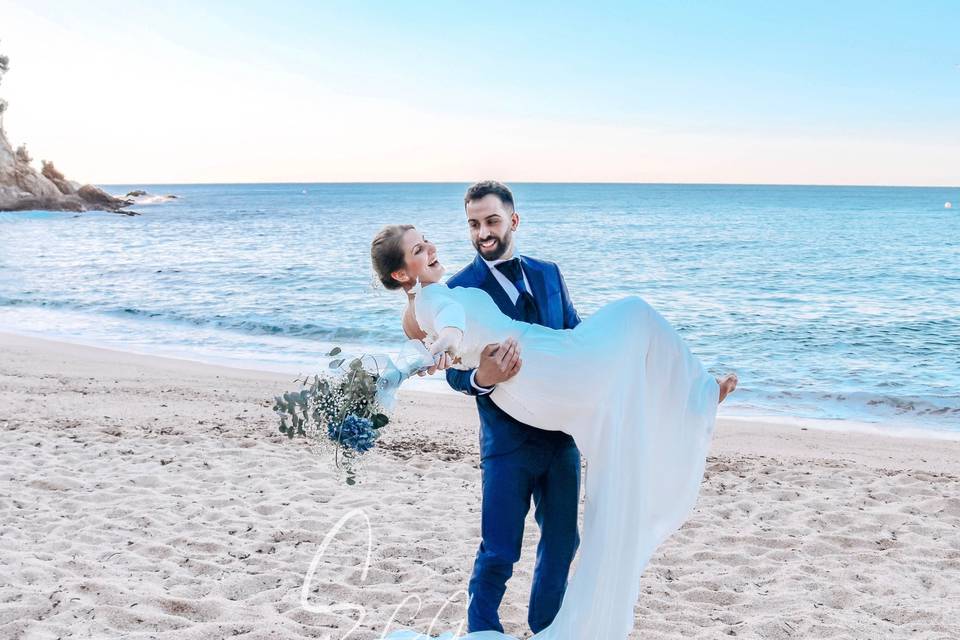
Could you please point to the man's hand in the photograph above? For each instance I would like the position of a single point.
(498, 363)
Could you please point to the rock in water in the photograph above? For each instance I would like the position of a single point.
(100, 199)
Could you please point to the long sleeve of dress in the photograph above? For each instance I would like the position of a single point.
(437, 308)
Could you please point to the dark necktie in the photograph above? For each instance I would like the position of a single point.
(526, 304)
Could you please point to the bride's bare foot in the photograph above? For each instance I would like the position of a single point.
(727, 384)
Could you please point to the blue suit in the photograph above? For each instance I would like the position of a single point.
(518, 462)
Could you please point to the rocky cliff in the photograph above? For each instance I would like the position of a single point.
(23, 188)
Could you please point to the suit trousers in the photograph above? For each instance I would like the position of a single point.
(546, 468)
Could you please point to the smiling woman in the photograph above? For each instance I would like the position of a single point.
(387, 253)
(403, 258)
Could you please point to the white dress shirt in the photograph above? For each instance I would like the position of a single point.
(504, 281)
(511, 291)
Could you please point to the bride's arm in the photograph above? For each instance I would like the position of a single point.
(446, 316)
(448, 341)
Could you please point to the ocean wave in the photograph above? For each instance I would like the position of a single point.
(835, 290)
(151, 199)
(881, 402)
(249, 326)
(942, 410)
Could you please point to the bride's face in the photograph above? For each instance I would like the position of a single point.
(420, 256)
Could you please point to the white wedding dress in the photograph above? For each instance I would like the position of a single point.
(641, 408)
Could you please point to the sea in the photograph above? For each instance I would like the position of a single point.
(836, 305)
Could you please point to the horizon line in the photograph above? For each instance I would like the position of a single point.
(535, 182)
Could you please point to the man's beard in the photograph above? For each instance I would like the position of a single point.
(500, 248)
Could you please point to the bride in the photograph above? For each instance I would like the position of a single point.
(639, 405)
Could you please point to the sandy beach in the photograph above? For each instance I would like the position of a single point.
(144, 497)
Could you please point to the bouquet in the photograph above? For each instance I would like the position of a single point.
(347, 408)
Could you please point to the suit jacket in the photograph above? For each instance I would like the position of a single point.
(500, 433)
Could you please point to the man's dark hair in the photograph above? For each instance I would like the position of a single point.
(485, 188)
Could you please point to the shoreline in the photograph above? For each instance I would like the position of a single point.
(435, 386)
(810, 436)
(151, 497)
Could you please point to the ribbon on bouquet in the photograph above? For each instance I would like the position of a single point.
(412, 358)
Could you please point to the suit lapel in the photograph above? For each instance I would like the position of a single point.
(489, 284)
(538, 284)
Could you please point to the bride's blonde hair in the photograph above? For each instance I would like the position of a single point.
(386, 253)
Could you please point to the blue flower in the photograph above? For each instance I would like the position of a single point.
(354, 433)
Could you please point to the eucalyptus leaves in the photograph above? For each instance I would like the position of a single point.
(340, 408)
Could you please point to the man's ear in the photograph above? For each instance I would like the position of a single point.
(514, 221)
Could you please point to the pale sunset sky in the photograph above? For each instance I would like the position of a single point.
(803, 92)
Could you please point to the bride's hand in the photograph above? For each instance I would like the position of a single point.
(448, 340)
(447, 343)
(444, 361)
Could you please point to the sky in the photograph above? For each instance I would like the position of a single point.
(704, 92)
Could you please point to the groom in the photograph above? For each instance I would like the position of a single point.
(518, 462)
